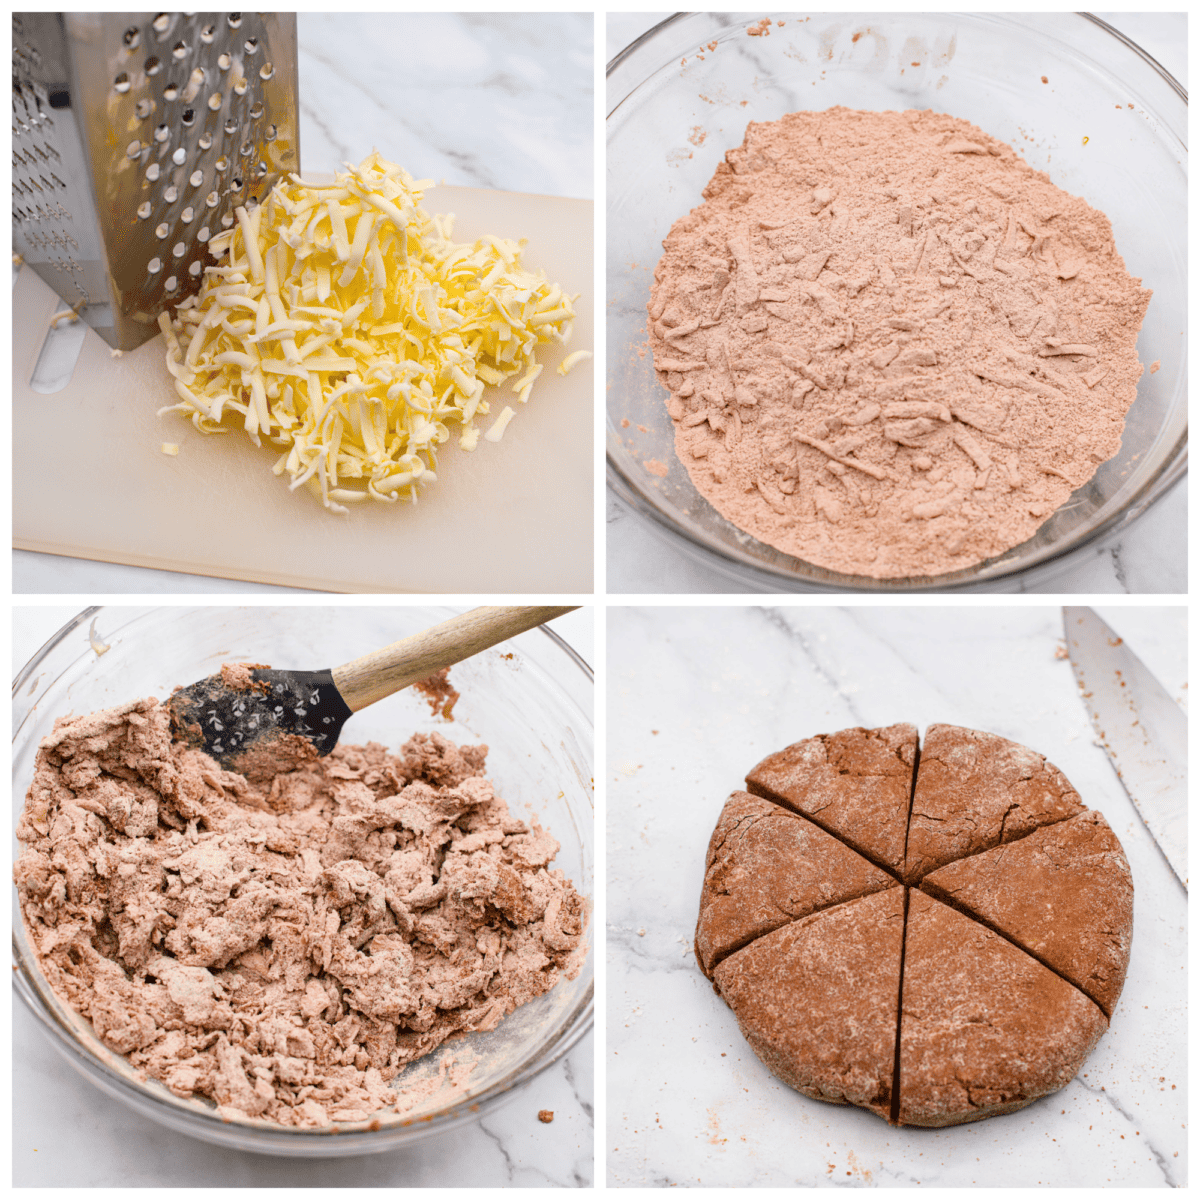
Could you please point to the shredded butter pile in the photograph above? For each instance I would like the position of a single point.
(348, 328)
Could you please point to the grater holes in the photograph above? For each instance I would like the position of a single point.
(197, 77)
(179, 157)
(235, 20)
(194, 269)
(188, 117)
(121, 83)
(250, 45)
(172, 284)
(171, 194)
(260, 170)
(235, 184)
(239, 87)
(153, 66)
(256, 110)
(143, 210)
(222, 164)
(154, 266)
(179, 249)
(215, 101)
(142, 109)
(231, 126)
(162, 230)
(203, 234)
(245, 150)
(152, 172)
(227, 220)
(207, 34)
(161, 23)
(272, 133)
(196, 179)
(134, 149)
(171, 91)
(266, 71)
(205, 141)
(162, 133)
(224, 62)
(212, 199)
(180, 50)
(132, 38)
(188, 216)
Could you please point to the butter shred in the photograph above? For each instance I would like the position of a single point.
(345, 326)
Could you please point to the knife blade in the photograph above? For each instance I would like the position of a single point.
(1141, 727)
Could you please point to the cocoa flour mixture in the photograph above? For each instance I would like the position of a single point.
(284, 946)
(892, 347)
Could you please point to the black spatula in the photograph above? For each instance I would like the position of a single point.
(230, 723)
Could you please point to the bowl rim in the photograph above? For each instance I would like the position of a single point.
(196, 1119)
(982, 577)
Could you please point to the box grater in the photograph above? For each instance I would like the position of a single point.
(135, 137)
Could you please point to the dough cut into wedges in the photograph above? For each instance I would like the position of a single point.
(1064, 893)
(985, 1028)
(766, 866)
(856, 784)
(816, 1000)
(977, 790)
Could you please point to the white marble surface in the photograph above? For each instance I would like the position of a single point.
(65, 1133)
(1149, 558)
(696, 697)
(488, 100)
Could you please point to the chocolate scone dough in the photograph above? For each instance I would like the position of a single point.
(1064, 894)
(817, 1000)
(890, 347)
(767, 867)
(985, 1029)
(807, 907)
(855, 784)
(977, 790)
(284, 947)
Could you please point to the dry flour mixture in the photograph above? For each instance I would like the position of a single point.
(893, 348)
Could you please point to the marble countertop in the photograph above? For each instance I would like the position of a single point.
(487, 100)
(67, 1134)
(697, 696)
(1149, 558)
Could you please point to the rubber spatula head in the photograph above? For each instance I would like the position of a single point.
(242, 717)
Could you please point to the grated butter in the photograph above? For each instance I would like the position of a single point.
(346, 327)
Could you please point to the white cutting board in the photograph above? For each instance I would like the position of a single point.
(90, 479)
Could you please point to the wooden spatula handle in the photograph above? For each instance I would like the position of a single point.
(385, 671)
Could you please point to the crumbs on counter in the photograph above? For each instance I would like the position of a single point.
(545, 1115)
(656, 468)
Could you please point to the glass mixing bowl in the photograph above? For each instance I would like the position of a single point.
(529, 699)
(666, 88)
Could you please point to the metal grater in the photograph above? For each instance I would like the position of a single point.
(135, 136)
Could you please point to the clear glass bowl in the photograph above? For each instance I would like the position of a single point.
(529, 699)
(984, 68)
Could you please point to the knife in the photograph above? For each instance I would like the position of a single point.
(1141, 727)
